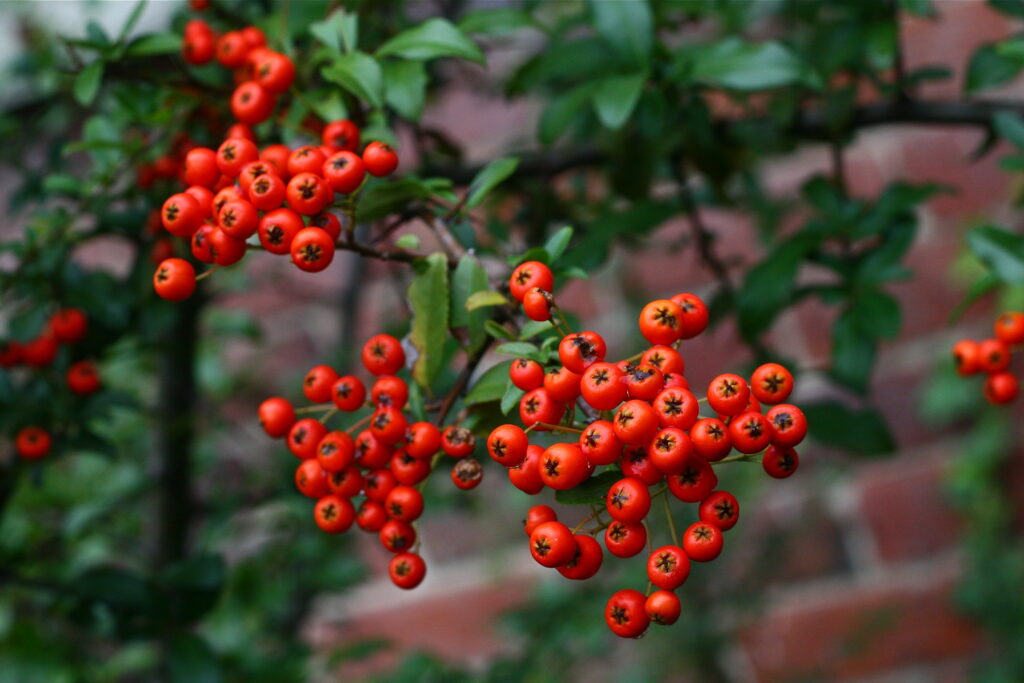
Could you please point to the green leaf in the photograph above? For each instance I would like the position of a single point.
(877, 313)
(521, 350)
(1000, 250)
(615, 97)
(511, 398)
(433, 38)
(338, 31)
(768, 287)
(489, 177)
(62, 183)
(989, 68)
(491, 386)
(383, 199)
(921, 8)
(532, 328)
(429, 299)
(328, 104)
(590, 492)
(496, 21)
(360, 74)
(154, 44)
(408, 241)
(863, 432)
(562, 111)
(628, 27)
(87, 83)
(738, 65)
(195, 584)
(558, 243)
(1010, 126)
(1014, 8)
(485, 298)
(853, 353)
(405, 87)
(133, 19)
(191, 660)
(982, 286)
(497, 331)
(469, 277)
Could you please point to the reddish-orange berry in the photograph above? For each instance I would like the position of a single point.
(407, 570)
(780, 463)
(383, 355)
(530, 275)
(304, 436)
(82, 378)
(342, 134)
(1009, 328)
(552, 544)
(278, 228)
(507, 445)
(661, 322)
(694, 315)
(1001, 388)
(771, 383)
(380, 159)
(312, 250)
(526, 475)
(32, 443)
(311, 479)
(526, 374)
(599, 443)
(626, 614)
(580, 350)
(663, 607)
(585, 562)
(993, 356)
(333, 513)
(721, 509)
(68, 325)
(728, 394)
(703, 542)
(348, 393)
(174, 279)
(336, 451)
(276, 417)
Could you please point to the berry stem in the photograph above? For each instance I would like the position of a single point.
(331, 412)
(313, 409)
(207, 273)
(740, 457)
(671, 523)
(554, 428)
(359, 424)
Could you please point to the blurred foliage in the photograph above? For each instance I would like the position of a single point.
(672, 106)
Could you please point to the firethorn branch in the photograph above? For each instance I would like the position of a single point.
(668, 518)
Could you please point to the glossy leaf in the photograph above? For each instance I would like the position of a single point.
(429, 300)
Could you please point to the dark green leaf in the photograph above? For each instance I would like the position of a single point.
(489, 177)
(384, 199)
(191, 660)
(982, 286)
(615, 97)
(497, 331)
(195, 584)
(853, 353)
(988, 69)
(521, 350)
(360, 74)
(737, 65)
(433, 38)
(469, 277)
(133, 19)
(491, 386)
(1010, 125)
(1000, 250)
(562, 111)
(592, 491)
(429, 299)
(496, 21)
(62, 183)
(921, 8)
(339, 31)
(405, 85)
(87, 83)
(557, 243)
(877, 313)
(627, 26)
(768, 286)
(511, 398)
(154, 44)
(863, 432)
(1014, 8)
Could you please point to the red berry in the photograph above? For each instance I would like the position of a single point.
(670, 450)
(344, 172)
(342, 134)
(234, 153)
(467, 473)
(538, 406)
(304, 436)
(276, 417)
(536, 516)
(378, 484)
(68, 325)
(507, 445)
(993, 356)
(537, 305)
(312, 250)
(599, 443)
(32, 443)
(201, 167)
(174, 279)
(311, 479)
(526, 475)
(771, 383)
(967, 356)
(397, 536)
(668, 567)
(603, 386)
(563, 466)
(1001, 388)
(336, 451)
(347, 483)
(644, 382)
(665, 358)
(528, 276)
(694, 315)
(526, 374)
(586, 561)
(388, 425)
(676, 407)
(275, 72)
(628, 500)
(252, 103)
(788, 425)
(780, 462)
(407, 469)
(663, 607)
(1009, 328)
(423, 440)
(383, 355)
(661, 322)
(635, 423)
(626, 613)
(380, 159)
(404, 503)
(458, 442)
(694, 483)
(702, 542)
(334, 514)
(371, 516)
(750, 432)
(181, 214)
(710, 438)
(407, 570)
(625, 540)
(389, 391)
(580, 350)
(563, 385)
(728, 394)
(308, 193)
(82, 378)
(552, 544)
(721, 509)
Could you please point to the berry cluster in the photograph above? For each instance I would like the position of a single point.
(281, 195)
(385, 462)
(66, 326)
(993, 356)
(645, 427)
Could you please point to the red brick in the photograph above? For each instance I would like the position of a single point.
(856, 632)
(904, 505)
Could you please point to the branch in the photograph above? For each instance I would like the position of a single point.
(809, 124)
(461, 382)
